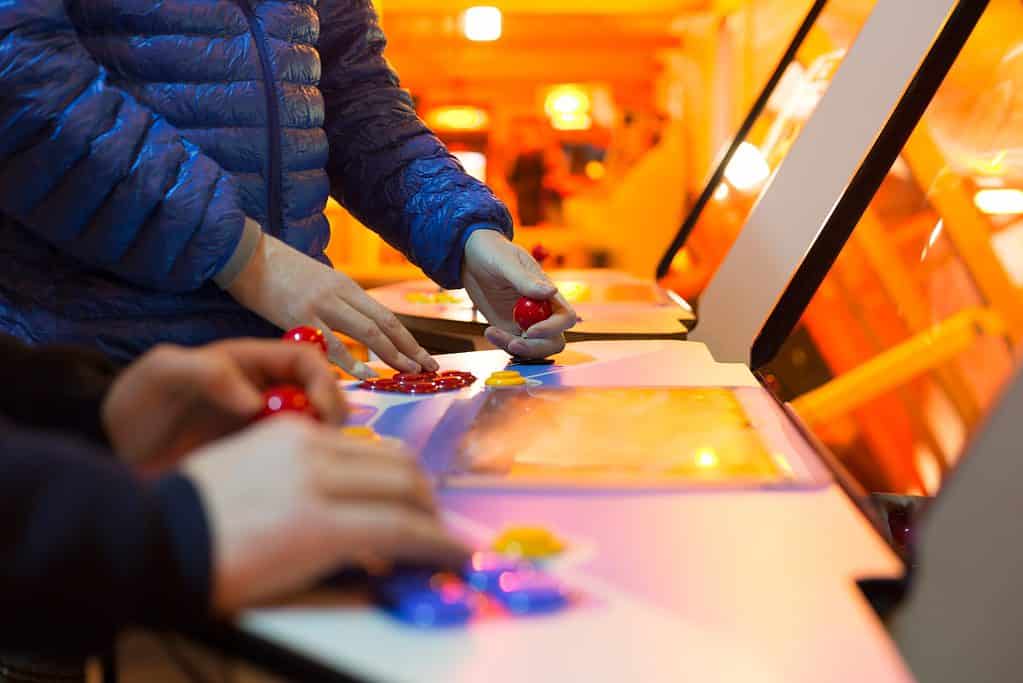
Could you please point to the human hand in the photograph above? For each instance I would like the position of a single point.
(173, 400)
(289, 501)
(496, 273)
(289, 289)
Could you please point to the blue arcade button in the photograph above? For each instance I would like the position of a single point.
(484, 570)
(529, 592)
(427, 598)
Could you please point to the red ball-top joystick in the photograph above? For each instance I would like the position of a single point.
(307, 335)
(528, 312)
(286, 398)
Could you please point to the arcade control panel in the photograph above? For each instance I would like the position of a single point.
(508, 580)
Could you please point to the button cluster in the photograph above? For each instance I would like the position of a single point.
(421, 383)
(427, 598)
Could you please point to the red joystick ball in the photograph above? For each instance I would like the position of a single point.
(286, 399)
(307, 335)
(528, 312)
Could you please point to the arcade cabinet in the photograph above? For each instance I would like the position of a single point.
(665, 516)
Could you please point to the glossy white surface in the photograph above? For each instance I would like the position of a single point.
(727, 586)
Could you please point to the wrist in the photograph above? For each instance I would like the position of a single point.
(476, 238)
(483, 231)
(269, 285)
(244, 253)
(248, 281)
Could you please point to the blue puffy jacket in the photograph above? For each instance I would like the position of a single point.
(136, 135)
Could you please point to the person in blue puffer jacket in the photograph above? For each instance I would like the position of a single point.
(164, 167)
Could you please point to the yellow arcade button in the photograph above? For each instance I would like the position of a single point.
(360, 432)
(505, 374)
(530, 542)
(505, 381)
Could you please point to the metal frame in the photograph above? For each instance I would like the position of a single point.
(832, 171)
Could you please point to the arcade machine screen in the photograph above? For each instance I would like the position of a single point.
(912, 332)
(614, 438)
(745, 169)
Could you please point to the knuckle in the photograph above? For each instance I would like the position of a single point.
(306, 308)
(390, 323)
(371, 333)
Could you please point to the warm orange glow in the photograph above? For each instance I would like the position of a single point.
(572, 122)
(594, 170)
(475, 163)
(573, 290)
(482, 24)
(990, 166)
(706, 457)
(748, 169)
(458, 119)
(682, 260)
(568, 107)
(999, 201)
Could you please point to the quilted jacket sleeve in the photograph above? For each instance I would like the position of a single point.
(385, 166)
(86, 548)
(97, 174)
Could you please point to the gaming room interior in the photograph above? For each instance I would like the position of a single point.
(779, 443)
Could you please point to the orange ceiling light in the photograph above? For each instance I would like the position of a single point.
(482, 24)
(458, 119)
(568, 107)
